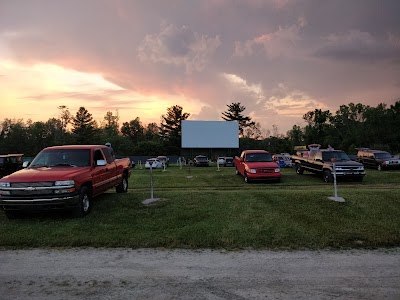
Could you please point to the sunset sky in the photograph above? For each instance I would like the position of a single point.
(279, 58)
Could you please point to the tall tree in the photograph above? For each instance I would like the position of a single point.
(133, 130)
(65, 116)
(253, 131)
(83, 126)
(171, 122)
(235, 113)
(111, 122)
(152, 131)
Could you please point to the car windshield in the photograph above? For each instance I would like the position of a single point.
(383, 155)
(201, 158)
(62, 158)
(338, 155)
(259, 157)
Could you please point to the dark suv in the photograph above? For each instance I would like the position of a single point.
(377, 159)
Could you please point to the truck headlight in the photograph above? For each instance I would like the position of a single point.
(387, 162)
(5, 184)
(277, 170)
(64, 183)
(253, 171)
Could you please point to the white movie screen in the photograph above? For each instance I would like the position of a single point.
(210, 134)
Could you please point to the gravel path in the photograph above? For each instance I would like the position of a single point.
(202, 274)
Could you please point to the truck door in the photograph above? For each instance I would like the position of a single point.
(100, 174)
(111, 167)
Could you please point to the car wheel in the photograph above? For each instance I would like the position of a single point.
(327, 176)
(123, 186)
(299, 169)
(246, 179)
(85, 203)
(380, 167)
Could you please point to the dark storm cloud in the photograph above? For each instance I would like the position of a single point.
(279, 58)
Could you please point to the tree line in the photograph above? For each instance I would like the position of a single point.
(352, 126)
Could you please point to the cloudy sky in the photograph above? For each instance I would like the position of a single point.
(279, 58)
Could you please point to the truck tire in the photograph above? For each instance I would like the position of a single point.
(246, 178)
(299, 169)
(123, 186)
(85, 203)
(327, 176)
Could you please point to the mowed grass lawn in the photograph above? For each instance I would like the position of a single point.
(206, 208)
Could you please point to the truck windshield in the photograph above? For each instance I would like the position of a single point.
(62, 158)
(338, 155)
(383, 155)
(259, 157)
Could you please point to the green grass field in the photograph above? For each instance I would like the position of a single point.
(204, 208)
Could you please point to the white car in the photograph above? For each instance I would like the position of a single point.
(154, 163)
(221, 160)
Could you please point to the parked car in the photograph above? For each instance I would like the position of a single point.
(283, 161)
(225, 161)
(201, 161)
(229, 162)
(154, 163)
(10, 163)
(377, 159)
(221, 160)
(164, 160)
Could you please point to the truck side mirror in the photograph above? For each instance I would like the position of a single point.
(100, 162)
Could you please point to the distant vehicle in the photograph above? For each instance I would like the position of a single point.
(10, 163)
(225, 161)
(164, 160)
(154, 163)
(201, 161)
(221, 160)
(377, 159)
(257, 165)
(283, 161)
(229, 162)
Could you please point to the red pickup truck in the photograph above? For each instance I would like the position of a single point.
(257, 165)
(64, 177)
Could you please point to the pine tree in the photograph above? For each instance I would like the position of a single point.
(83, 126)
(234, 113)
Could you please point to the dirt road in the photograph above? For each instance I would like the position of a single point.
(202, 274)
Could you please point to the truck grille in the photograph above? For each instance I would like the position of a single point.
(31, 184)
(266, 170)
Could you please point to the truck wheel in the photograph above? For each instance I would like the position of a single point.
(85, 203)
(246, 179)
(380, 167)
(299, 169)
(123, 186)
(327, 176)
